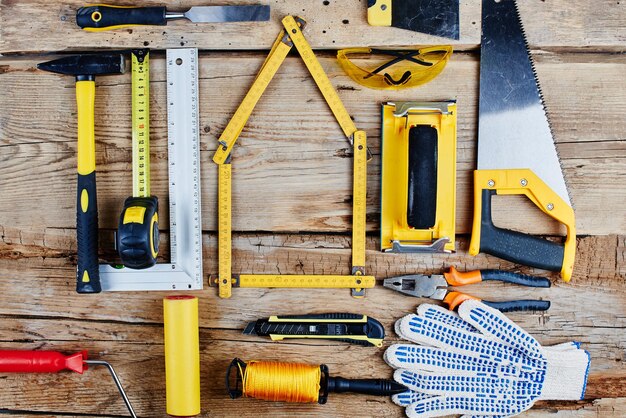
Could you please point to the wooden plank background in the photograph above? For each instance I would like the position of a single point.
(292, 201)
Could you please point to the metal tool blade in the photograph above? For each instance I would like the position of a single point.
(216, 14)
(433, 17)
(418, 285)
(250, 328)
(513, 128)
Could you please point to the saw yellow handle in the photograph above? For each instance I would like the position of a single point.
(512, 245)
(87, 275)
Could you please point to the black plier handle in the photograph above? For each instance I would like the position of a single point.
(456, 278)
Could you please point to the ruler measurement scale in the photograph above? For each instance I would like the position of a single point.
(141, 122)
(184, 272)
(224, 239)
(289, 37)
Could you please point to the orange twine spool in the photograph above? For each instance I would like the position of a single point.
(276, 381)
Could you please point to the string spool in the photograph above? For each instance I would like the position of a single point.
(277, 381)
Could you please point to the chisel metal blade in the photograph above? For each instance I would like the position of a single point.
(513, 128)
(218, 14)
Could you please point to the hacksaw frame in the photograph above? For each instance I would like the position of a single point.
(184, 271)
(289, 37)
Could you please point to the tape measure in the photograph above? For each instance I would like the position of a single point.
(289, 37)
(138, 229)
(184, 271)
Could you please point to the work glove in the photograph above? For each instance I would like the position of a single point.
(479, 363)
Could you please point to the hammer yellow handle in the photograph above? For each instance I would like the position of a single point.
(87, 276)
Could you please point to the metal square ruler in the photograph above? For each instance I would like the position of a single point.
(184, 271)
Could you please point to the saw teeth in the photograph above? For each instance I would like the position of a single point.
(540, 91)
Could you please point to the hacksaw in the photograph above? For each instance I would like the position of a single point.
(289, 37)
(184, 271)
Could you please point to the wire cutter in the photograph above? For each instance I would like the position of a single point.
(436, 287)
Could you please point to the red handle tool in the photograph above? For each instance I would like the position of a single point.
(14, 361)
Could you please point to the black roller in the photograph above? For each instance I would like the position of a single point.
(422, 184)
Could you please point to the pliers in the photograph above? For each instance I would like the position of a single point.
(436, 287)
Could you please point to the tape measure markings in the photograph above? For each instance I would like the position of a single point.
(224, 229)
(141, 122)
(320, 77)
(359, 202)
(278, 53)
(312, 281)
(184, 159)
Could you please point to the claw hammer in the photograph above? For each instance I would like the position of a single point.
(85, 67)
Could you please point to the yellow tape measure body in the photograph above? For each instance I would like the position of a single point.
(289, 37)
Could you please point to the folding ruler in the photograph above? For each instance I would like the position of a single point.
(184, 272)
(291, 36)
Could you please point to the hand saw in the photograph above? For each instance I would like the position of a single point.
(516, 151)
(347, 327)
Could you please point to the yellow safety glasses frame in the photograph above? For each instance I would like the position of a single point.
(408, 67)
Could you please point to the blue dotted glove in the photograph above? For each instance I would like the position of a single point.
(479, 363)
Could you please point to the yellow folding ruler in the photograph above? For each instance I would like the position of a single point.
(289, 37)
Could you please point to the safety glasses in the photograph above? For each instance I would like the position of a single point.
(407, 68)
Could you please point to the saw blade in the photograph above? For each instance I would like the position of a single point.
(513, 128)
(217, 14)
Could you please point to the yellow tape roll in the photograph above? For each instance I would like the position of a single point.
(182, 355)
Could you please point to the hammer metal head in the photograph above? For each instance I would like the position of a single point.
(86, 66)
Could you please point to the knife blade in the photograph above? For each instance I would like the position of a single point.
(107, 17)
(347, 327)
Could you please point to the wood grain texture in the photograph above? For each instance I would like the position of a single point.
(332, 24)
(292, 165)
(292, 202)
(131, 338)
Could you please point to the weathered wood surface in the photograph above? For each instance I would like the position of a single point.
(331, 24)
(292, 202)
(292, 149)
(590, 310)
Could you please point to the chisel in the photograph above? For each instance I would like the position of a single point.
(106, 17)
(347, 327)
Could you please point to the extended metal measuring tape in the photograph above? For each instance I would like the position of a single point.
(184, 271)
(291, 36)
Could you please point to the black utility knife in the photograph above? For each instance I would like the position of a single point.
(351, 328)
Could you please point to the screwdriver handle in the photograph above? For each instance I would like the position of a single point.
(377, 387)
(106, 17)
(19, 361)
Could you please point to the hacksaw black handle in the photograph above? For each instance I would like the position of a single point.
(515, 246)
(87, 274)
(519, 305)
(103, 17)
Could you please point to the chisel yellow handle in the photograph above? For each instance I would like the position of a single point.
(87, 276)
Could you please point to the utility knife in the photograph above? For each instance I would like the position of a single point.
(347, 327)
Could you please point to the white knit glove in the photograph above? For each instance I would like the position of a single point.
(479, 363)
